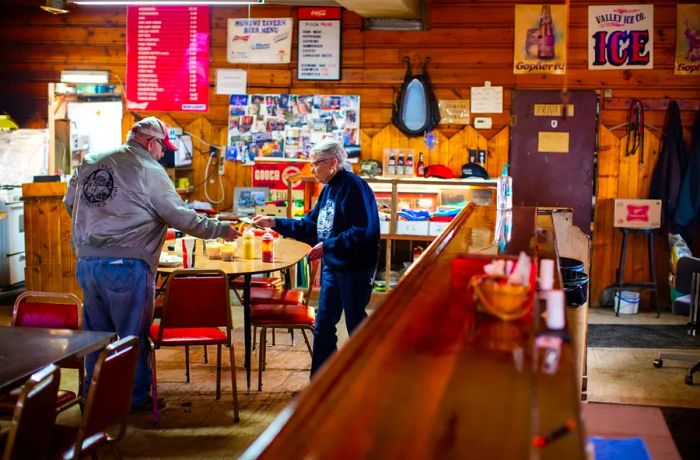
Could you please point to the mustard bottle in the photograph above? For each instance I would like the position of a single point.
(248, 245)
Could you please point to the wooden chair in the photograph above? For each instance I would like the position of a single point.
(197, 306)
(56, 310)
(108, 403)
(260, 296)
(34, 416)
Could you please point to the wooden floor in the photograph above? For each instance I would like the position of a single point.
(195, 425)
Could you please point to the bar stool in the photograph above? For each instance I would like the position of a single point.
(649, 285)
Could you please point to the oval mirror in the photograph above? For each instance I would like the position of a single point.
(414, 105)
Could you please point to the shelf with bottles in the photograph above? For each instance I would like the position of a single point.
(421, 207)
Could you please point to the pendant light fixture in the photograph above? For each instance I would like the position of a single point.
(55, 6)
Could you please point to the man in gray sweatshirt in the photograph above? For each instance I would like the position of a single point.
(122, 203)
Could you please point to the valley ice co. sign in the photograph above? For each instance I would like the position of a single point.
(621, 37)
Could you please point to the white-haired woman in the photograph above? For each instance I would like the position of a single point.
(344, 229)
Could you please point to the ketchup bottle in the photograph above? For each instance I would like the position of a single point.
(268, 252)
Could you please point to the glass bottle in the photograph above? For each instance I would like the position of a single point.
(408, 167)
(421, 166)
(399, 165)
(545, 48)
(391, 170)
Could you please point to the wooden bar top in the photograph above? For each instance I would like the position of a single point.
(33, 190)
(428, 377)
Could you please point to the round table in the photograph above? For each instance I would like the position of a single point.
(287, 253)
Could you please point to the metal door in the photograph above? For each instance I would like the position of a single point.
(552, 148)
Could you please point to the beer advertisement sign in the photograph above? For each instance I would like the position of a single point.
(687, 40)
(620, 37)
(540, 39)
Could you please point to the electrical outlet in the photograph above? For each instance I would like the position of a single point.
(221, 166)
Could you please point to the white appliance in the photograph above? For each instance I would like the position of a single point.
(95, 127)
(12, 256)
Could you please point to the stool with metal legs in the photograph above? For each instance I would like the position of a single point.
(649, 285)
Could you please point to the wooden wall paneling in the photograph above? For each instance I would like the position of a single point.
(498, 152)
(605, 255)
(460, 144)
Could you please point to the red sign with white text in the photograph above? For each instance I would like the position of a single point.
(317, 13)
(167, 50)
(275, 175)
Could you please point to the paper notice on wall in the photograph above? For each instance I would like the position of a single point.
(231, 81)
(259, 40)
(487, 99)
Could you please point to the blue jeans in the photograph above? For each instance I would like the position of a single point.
(118, 296)
(348, 292)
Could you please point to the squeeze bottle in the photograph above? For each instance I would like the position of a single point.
(248, 245)
(504, 196)
(268, 252)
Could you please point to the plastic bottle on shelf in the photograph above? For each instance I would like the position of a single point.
(268, 252)
(504, 195)
(420, 170)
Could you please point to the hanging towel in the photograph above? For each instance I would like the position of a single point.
(688, 209)
(668, 172)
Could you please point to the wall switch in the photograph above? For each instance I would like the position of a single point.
(482, 123)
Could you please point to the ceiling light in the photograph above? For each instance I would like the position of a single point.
(166, 2)
(55, 6)
(84, 76)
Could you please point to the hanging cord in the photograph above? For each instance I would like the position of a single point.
(635, 129)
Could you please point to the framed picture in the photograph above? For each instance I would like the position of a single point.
(245, 199)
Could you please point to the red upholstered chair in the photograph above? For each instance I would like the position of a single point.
(277, 315)
(267, 316)
(34, 416)
(108, 404)
(283, 297)
(56, 310)
(197, 308)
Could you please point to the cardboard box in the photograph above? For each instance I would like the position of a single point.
(637, 213)
(384, 227)
(412, 227)
(271, 210)
(437, 227)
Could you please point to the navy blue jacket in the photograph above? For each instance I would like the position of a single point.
(345, 218)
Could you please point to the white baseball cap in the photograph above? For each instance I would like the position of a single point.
(151, 126)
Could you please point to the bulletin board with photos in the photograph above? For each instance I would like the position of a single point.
(286, 126)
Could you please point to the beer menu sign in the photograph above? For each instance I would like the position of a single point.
(259, 40)
(621, 37)
(167, 65)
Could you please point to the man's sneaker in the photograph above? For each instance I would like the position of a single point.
(147, 405)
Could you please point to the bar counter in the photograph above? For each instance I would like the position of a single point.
(429, 377)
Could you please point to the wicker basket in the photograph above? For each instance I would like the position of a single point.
(505, 301)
